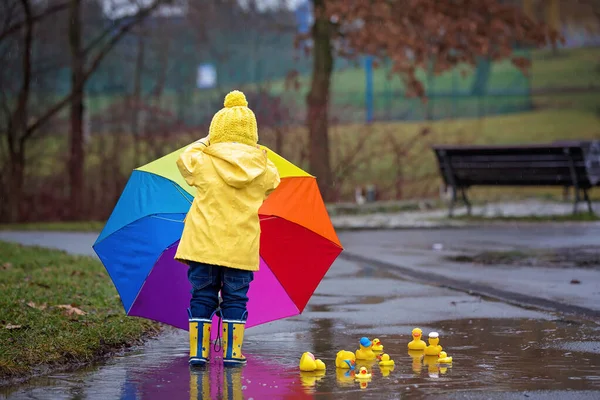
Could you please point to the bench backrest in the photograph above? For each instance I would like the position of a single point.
(555, 164)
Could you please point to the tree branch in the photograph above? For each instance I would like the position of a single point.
(123, 30)
(35, 18)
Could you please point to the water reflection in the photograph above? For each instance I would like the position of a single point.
(177, 380)
(496, 355)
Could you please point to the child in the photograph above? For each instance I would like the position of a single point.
(220, 241)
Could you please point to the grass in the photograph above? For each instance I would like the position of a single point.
(57, 311)
(83, 226)
(571, 68)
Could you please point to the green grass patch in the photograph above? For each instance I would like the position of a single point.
(57, 311)
(83, 226)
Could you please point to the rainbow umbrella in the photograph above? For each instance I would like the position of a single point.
(137, 245)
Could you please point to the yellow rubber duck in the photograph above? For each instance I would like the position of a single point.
(365, 352)
(434, 347)
(345, 359)
(377, 346)
(320, 365)
(385, 361)
(443, 358)
(417, 343)
(308, 363)
(363, 373)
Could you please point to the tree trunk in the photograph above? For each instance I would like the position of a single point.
(17, 125)
(76, 159)
(15, 186)
(318, 101)
(137, 96)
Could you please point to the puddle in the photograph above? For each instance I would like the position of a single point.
(488, 355)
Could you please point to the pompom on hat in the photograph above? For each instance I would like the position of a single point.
(235, 122)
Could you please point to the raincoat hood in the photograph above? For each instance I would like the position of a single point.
(238, 165)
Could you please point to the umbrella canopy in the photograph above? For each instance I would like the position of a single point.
(137, 245)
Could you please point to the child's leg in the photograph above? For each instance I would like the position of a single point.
(206, 282)
(233, 309)
(236, 283)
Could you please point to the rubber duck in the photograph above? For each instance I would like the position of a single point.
(434, 347)
(443, 358)
(365, 352)
(417, 343)
(363, 373)
(320, 365)
(385, 361)
(345, 359)
(377, 346)
(308, 363)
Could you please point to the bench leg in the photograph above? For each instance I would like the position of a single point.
(588, 201)
(466, 200)
(576, 200)
(452, 202)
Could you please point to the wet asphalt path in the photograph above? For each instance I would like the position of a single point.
(500, 350)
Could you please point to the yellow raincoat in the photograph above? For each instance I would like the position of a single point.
(222, 226)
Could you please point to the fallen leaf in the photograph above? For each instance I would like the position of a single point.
(71, 310)
(37, 306)
(11, 326)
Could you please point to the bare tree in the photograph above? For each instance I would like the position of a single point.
(20, 124)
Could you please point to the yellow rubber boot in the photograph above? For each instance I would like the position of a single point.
(199, 341)
(233, 338)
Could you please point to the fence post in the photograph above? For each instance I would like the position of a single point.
(369, 88)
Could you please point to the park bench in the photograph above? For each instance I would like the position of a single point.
(573, 164)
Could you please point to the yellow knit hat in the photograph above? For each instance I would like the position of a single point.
(234, 123)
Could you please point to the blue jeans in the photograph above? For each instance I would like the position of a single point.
(207, 280)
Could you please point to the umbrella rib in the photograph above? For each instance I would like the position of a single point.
(166, 219)
(181, 191)
(148, 274)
